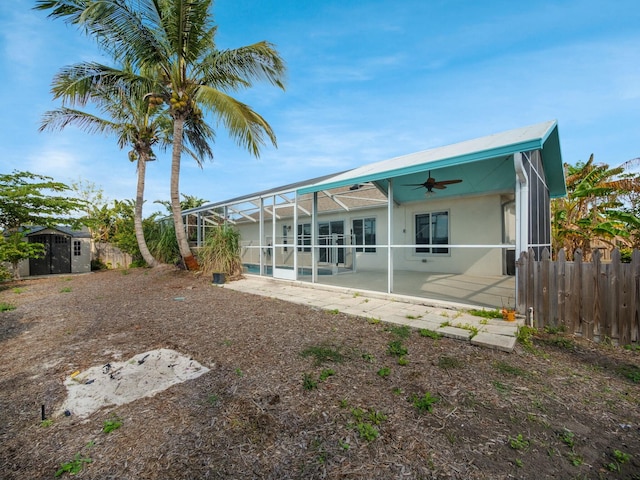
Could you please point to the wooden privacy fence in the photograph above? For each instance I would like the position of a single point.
(597, 300)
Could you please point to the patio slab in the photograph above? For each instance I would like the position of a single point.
(414, 312)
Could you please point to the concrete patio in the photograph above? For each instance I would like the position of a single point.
(448, 318)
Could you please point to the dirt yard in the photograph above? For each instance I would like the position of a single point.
(296, 392)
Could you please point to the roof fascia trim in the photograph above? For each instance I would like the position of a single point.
(534, 144)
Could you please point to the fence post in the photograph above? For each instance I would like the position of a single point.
(545, 279)
(576, 290)
(561, 266)
(597, 333)
(633, 286)
(617, 306)
(531, 282)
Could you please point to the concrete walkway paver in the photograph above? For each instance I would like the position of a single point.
(448, 319)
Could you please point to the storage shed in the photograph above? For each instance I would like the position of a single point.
(66, 251)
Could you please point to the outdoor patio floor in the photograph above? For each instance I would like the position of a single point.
(416, 312)
(462, 290)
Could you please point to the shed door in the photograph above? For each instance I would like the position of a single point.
(57, 257)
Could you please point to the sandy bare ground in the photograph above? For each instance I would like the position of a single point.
(563, 409)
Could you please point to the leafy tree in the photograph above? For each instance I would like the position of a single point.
(28, 199)
(178, 38)
(594, 207)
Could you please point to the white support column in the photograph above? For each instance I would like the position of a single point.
(522, 206)
(314, 239)
(294, 229)
(199, 235)
(390, 237)
(522, 214)
(273, 235)
(261, 233)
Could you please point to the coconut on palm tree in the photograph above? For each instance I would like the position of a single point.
(178, 38)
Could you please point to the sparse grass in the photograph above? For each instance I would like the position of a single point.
(323, 353)
(485, 313)
(630, 372)
(367, 431)
(367, 422)
(75, 466)
(551, 329)
(561, 342)
(413, 317)
(568, 438)
(112, 424)
(424, 403)
(384, 372)
(504, 367)
(525, 336)
(5, 307)
(403, 331)
(368, 357)
(396, 348)
(425, 332)
(213, 400)
(501, 387)
(335, 311)
(619, 458)
(471, 328)
(326, 373)
(402, 360)
(65, 290)
(373, 321)
(445, 324)
(634, 347)
(449, 362)
(518, 442)
(46, 423)
(308, 383)
(18, 290)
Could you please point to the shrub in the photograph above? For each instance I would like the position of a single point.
(221, 251)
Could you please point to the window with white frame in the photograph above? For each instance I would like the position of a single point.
(364, 233)
(432, 229)
(304, 237)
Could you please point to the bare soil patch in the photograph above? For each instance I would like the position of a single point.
(564, 409)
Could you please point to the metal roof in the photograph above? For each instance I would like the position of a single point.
(485, 163)
(542, 136)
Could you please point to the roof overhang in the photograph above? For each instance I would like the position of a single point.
(498, 147)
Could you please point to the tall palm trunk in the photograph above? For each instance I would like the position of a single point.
(181, 236)
(137, 217)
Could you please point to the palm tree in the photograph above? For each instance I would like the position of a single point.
(178, 38)
(136, 120)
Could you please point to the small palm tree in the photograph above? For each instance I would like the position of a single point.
(136, 121)
(178, 38)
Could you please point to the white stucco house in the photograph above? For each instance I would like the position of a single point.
(451, 218)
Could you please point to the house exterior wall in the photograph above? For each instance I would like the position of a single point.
(472, 221)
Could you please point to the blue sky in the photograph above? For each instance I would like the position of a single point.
(367, 81)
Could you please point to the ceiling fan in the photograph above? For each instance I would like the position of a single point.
(431, 183)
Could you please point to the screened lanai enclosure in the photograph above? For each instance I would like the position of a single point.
(443, 224)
